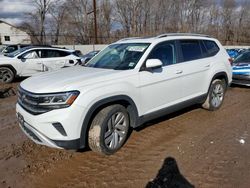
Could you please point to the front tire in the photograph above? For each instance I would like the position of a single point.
(215, 95)
(6, 75)
(109, 129)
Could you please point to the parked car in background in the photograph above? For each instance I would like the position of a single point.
(241, 69)
(85, 58)
(6, 49)
(234, 53)
(30, 60)
(123, 86)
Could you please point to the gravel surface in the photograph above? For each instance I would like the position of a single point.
(190, 148)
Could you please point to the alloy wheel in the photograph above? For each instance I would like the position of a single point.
(116, 130)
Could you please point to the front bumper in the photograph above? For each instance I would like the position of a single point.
(41, 130)
(241, 80)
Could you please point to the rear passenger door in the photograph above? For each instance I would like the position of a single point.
(195, 68)
(54, 59)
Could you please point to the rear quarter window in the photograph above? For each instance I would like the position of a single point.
(54, 53)
(211, 48)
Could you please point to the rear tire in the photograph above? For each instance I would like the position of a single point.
(215, 96)
(6, 75)
(109, 129)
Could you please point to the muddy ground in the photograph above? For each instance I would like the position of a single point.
(211, 149)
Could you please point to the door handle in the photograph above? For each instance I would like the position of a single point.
(71, 62)
(207, 65)
(178, 72)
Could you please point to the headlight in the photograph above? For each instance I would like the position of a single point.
(42, 103)
(58, 100)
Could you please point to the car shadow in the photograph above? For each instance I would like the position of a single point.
(150, 123)
(169, 176)
(239, 86)
(19, 79)
(167, 117)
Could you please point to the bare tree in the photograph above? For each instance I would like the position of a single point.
(42, 8)
(105, 19)
(58, 12)
(72, 21)
(228, 7)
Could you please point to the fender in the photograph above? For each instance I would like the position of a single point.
(119, 99)
(220, 75)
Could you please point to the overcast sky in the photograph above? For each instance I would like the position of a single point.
(13, 11)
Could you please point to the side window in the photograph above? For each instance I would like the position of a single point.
(63, 53)
(212, 48)
(164, 52)
(54, 53)
(31, 55)
(191, 50)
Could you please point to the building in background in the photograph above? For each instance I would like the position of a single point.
(10, 34)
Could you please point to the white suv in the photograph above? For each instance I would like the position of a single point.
(129, 82)
(30, 60)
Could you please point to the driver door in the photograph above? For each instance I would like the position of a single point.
(31, 63)
(161, 87)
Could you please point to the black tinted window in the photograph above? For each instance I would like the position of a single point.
(164, 52)
(190, 50)
(63, 53)
(10, 49)
(54, 53)
(211, 46)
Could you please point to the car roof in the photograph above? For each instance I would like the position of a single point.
(48, 48)
(164, 37)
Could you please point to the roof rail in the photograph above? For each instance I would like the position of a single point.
(129, 38)
(181, 34)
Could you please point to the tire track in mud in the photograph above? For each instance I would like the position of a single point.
(220, 162)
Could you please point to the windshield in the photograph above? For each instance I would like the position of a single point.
(243, 58)
(2, 48)
(17, 52)
(119, 56)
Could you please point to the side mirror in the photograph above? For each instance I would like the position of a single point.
(153, 63)
(21, 58)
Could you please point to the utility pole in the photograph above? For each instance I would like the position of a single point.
(95, 21)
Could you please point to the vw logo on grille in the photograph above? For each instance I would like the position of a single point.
(23, 97)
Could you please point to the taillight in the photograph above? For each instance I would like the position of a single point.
(230, 60)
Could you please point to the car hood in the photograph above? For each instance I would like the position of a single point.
(4, 58)
(67, 79)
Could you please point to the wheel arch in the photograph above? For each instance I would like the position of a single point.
(10, 67)
(221, 76)
(124, 100)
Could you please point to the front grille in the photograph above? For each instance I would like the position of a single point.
(30, 133)
(29, 101)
